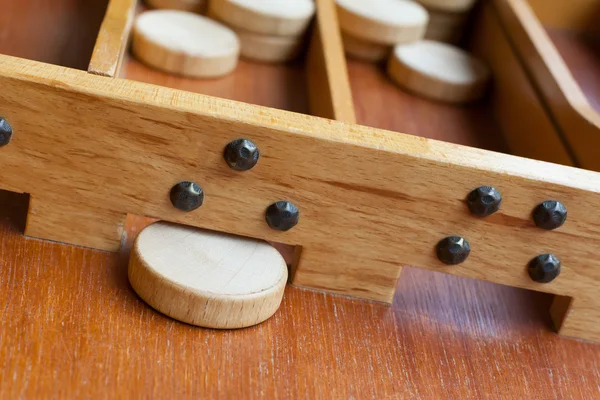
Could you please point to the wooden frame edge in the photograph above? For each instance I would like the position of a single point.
(113, 38)
(330, 95)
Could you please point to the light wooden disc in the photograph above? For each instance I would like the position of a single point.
(366, 51)
(184, 43)
(271, 49)
(196, 6)
(205, 278)
(267, 17)
(438, 71)
(383, 21)
(449, 5)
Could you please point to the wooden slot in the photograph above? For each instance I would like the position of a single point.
(316, 83)
(493, 124)
(60, 32)
(558, 42)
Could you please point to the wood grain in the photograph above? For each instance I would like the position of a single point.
(70, 316)
(578, 121)
(113, 38)
(61, 32)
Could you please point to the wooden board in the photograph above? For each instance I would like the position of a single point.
(359, 189)
(70, 316)
(113, 38)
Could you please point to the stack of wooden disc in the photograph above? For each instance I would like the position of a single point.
(447, 19)
(269, 31)
(370, 29)
(185, 43)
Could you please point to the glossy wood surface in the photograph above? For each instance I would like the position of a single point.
(72, 327)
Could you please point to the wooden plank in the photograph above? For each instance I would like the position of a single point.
(328, 84)
(578, 121)
(69, 315)
(513, 96)
(113, 38)
(370, 200)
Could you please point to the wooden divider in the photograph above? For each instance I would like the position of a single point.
(329, 88)
(113, 38)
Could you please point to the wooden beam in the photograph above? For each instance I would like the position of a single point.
(370, 200)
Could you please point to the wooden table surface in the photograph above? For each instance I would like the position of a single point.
(71, 326)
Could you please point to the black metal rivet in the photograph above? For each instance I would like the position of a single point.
(282, 215)
(187, 196)
(544, 268)
(241, 154)
(484, 201)
(453, 250)
(550, 214)
(6, 132)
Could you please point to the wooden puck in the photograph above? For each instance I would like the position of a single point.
(383, 21)
(448, 5)
(438, 71)
(447, 20)
(196, 6)
(185, 44)
(366, 51)
(205, 278)
(267, 17)
(270, 49)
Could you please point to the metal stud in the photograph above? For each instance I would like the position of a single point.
(282, 215)
(484, 201)
(544, 268)
(6, 132)
(453, 250)
(187, 196)
(241, 154)
(550, 214)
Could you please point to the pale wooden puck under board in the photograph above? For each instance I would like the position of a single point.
(270, 49)
(196, 6)
(449, 5)
(267, 17)
(205, 278)
(185, 43)
(366, 51)
(383, 21)
(438, 71)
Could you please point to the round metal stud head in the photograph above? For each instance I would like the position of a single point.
(453, 250)
(484, 201)
(544, 268)
(241, 154)
(5, 132)
(550, 215)
(282, 216)
(187, 196)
